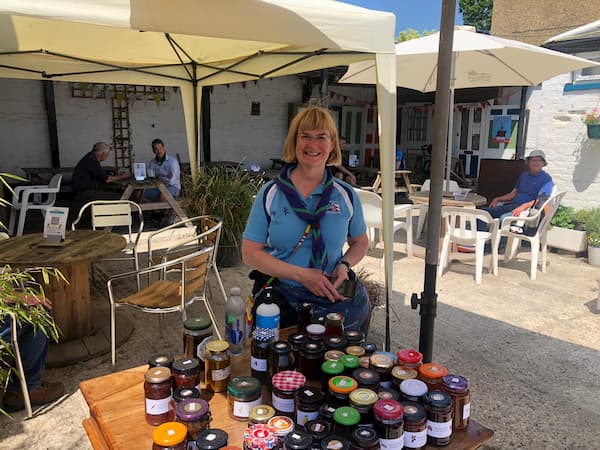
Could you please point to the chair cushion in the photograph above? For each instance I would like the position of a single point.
(160, 294)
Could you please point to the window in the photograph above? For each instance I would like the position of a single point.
(590, 74)
(416, 124)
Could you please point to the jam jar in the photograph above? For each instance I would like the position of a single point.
(415, 425)
(330, 369)
(197, 331)
(438, 406)
(333, 355)
(431, 374)
(335, 342)
(179, 395)
(260, 414)
(298, 440)
(334, 324)
(354, 337)
(355, 350)
(315, 332)
(340, 388)
(211, 439)
(311, 357)
(382, 364)
(296, 340)
(259, 353)
(388, 394)
(281, 358)
(186, 373)
(161, 360)
(260, 436)
(345, 419)
(169, 436)
(194, 414)
(305, 312)
(283, 426)
(243, 394)
(335, 443)
(218, 365)
(326, 412)
(364, 438)
(457, 387)
(366, 378)
(363, 400)
(413, 390)
(409, 358)
(389, 423)
(351, 363)
(370, 347)
(285, 385)
(318, 429)
(157, 391)
(401, 373)
(308, 402)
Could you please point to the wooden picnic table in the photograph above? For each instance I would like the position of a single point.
(132, 185)
(471, 201)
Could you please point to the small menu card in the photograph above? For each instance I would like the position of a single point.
(55, 225)
(139, 170)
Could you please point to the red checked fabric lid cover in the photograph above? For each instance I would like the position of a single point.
(288, 380)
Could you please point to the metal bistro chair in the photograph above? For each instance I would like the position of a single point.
(179, 281)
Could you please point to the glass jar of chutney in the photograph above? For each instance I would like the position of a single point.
(413, 390)
(340, 388)
(297, 440)
(366, 378)
(354, 337)
(260, 414)
(401, 373)
(457, 387)
(334, 342)
(438, 406)
(218, 365)
(431, 374)
(415, 425)
(157, 391)
(363, 400)
(334, 324)
(409, 358)
(212, 439)
(308, 402)
(311, 357)
(186, 373)
(243, 394)
(281, 358)
(382, 364)
(305, 312)
(259, 353)
(351, 363)
(389, 423)
(197, 331)
(285, 385)
(345, 419)
(364, 438)
(296, 340)
(194, 414)
(318, 429)
(169, 436)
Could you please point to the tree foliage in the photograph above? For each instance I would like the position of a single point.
(411, 33)
(477, 13)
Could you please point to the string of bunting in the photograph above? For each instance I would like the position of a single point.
(333, 95)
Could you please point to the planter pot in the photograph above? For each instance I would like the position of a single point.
(593, 131)
(566, 239)
(594, 255)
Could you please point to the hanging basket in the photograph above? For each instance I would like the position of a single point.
(593, 131)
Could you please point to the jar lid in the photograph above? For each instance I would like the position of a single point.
(282, 425)
(355, 350)
(413, 412)
(261, 413)
(326, 412)
(260, 436)
(390, 354)
(298, 440)
(197, 323)
(409, 356)
(346, 415)
(157, 375)
(354, 336)
(381, 361)
(334, 318)
(342, 384)
(169, 434)
(288, 380)
(363, 397)
(335, 443)
(309, 395)
(244, 387)
(334, 342)
(217, 346)
(388, 409)
(281, 347)
(186, 365)
(315, 328)
(305, 307)
(433, 370)
(403, 373)
(456, 383)
(437, 399)
(211, 439)
(296, 338)
(365, 437)
(413, 388)
(317, 428)
(263, 334)
(366, 377)
(161, 360)
(370, 347)
(332, 367)
(312, 348)
(388, 394)
(333, 355)
(191, 409)
(183, 393)
(350, 362)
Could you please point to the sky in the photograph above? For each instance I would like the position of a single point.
(418, 14)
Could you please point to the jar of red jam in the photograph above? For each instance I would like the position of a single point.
(389, 423)
(311, 357)
(382, 364)
(285, 385)
(186, 373)
(157, 391)
(340, 388)
(415, 425)
(334, 324)
(457, 387)
(413, 390)
(438, 406)
(409, 358)
(169, 436)
(308, 402)
(401, 373)
(431, 374)
(194, 414)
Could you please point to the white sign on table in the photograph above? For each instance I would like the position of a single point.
(139, 171)
(55, 224)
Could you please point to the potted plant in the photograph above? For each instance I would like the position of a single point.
(592, 228)
(592, 122)
(227, 193)
(566, 230)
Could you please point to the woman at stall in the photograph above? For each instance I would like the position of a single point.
(299, 224)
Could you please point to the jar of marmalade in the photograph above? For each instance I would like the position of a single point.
(308, 402)
(260, 414)
(311, 356)
(340, 388)
(211, 439)
(186, 373)
(457, 387)
(218, 365)
(409, 358)
(334, 324)
(197, 331)
(389, 423)
(415, 425)
(431, 374)
(157, 391)
(194, 414)
(169, 435)
(438, 406)
(285, 385)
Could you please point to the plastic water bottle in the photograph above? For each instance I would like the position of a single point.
(268, 314)
(235, 322)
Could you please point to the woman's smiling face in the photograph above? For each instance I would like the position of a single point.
(313, 148)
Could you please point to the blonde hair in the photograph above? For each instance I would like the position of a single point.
(312, 118)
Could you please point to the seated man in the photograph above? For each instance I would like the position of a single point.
(166, 168)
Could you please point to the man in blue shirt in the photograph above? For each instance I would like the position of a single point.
(166, 168)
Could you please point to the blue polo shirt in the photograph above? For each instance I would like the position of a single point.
(272, 222)
(528, 186)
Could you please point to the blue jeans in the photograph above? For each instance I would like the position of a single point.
(33, 347)
(153, 194)
(497, 212)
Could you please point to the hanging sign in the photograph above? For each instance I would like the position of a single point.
(501, 127)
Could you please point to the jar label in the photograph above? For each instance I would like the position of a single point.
(439, 429)
(304, 416)
(221, 374)
(156, 407)
(283, 404)
(242, 409)
(201, 348)
(258, 364)
(466, 411)
(392, 444)
(415, 440)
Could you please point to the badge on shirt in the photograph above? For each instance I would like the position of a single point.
(334, 207)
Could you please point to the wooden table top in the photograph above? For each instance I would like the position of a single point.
(471, 201)
(79, 246)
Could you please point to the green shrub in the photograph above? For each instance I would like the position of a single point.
(564, 217)
(592, 227)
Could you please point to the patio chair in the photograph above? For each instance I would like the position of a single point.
(422, 209)
(373, 213)
(461, 228)
(106, 214)
(180, 282)
(26, 198)
(532, 229)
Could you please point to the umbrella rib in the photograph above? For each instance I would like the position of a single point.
(175, 44)
(40, 72)
(488, 53)
(296, 61)
(219, 70)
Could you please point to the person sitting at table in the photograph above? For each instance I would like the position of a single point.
(340, 171)
(300, 222)
(165, 168)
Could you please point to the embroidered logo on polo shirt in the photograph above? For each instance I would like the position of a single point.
(334, 207)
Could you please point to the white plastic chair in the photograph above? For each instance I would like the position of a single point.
(538, 240)
(422, 209)
(26, 198)
(373, 213)
(461, 229)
